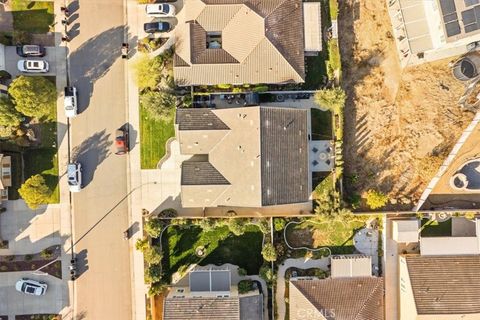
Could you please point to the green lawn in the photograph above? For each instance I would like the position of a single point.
(432, 228)
(32, 16)
(153, 137)
(220, 244)
(333, 5)
(316, 69)
(43, 160)
(336, 234)
(321, 124)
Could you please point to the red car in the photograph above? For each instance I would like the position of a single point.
(121, 141)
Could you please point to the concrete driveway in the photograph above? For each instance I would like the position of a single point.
(12, 58)
(16, 303)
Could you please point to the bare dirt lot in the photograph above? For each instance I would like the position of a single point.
(399, 124)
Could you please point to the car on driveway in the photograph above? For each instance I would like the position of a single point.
(32, 66)
(153, 27)
(160, 10)
(74, 175)
(31, 287)
(121, 141)
(70, 102)
(30, 50)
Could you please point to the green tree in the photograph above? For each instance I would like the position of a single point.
(242, 272)
(376, 199)
(267, 274)
(153, 273)
(35, 191)
(236, 226)
(333, 99)
(158, 104)
(269, 253)
(157, 288)
(279, 224)
(153, 227)
(148, 71)
(207, 224)
(152, 255)
(8, 115)
(264, 225)
(245, 286)
(34, 96)
(142, 244)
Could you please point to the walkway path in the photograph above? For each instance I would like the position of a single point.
(300, 263)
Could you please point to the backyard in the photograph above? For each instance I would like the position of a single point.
(154, 134)
(321, 124)
(32, 16)
(220, 245)
(433, 228)
(336, 234)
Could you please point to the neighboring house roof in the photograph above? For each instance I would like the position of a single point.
(359, 298)
(445, 284)
(202, 308)
(261, 42)
(405, 230)
(433, 246)
(198, 119)
(262, 159)
(351, 266)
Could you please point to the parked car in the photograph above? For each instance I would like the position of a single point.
(160, 10)
(473, 45)
(121, 141)
(31, 50)
(74, 174)
(32, 287)
(32, 66)
(152, 27)
(70, 102)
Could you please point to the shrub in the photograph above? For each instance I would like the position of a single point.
(35, 191)
(153, 273)
(11, 258)
(148, 71)
(152, 255)
(264, 226)
(142, 244)
(157, 288)
(153, 227)
(245, 286)
(207, 224)
(376, 199)
(242, 272)
(236, 226)
(224, 86)
(260, 88)
(267, 274)
(332, 99)
(279, 224)
(34, 96)
(168, 213)
(46, 254)
(158, 104)
(3, 267)
(179, 222)
(268, 252)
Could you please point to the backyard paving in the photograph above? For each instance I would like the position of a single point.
(366, 242)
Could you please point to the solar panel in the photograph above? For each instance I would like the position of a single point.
(448, 6)
(477, 14)
(471, 27)
(468, 17)
(471, 2)
(453, 28)
(450, 17)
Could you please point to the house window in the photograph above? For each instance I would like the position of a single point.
(214, 40)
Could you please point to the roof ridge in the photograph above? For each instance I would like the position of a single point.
(367, 300)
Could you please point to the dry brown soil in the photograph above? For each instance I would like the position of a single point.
(400, 124)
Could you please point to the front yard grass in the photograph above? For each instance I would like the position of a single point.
(32, 16)
(321, 124)
(220, 245)
(153, 137)
(433, 228)
(336, 234)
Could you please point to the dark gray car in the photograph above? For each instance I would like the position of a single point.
(152, 27)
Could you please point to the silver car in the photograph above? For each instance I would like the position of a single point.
(32, 66)
(74, 174)
(31, 287)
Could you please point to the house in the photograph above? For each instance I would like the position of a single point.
(439, 287)
(244, 41)
(208, 293)
(351, 293)
(243, 157)
(432, 30)
(5, 176)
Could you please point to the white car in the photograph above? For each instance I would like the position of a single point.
(70, 102)
(32, 287)
(32, 66)
(160, 10)
(74, 175)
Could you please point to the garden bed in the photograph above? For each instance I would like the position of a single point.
(40, 316)
(32, 262)
(432, 228)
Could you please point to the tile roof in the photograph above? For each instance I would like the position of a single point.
(359, 298)
(284, 148)
(201, 173)
(445, 284)
(262, 42)
(198, 119)
(201, 309)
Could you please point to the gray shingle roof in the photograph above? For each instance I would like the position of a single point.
(201, 309)
(284, 152)
(201, 173)
(198, 119)
(359, 298)
(445, 284)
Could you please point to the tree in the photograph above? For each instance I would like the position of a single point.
(35, 191)
(376, 199)
(34, 96)
(153, 273)
(264, 226)
(152, 255)
(158, 104)
(236, 226)
(207, 224)
(242, 272)
(279, 224)
(142, 244)
(245, 286)
(153, 227)
(157, 288)
(148, 71)
(8, 115)
(267, 274)
(333, 99)
(269, 253)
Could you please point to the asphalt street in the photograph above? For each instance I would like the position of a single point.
(103, 289)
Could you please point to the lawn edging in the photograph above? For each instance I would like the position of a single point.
(302, 248)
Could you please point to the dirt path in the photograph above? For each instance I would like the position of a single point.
(399, 124)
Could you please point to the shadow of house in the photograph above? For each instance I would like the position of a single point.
(91, 153)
